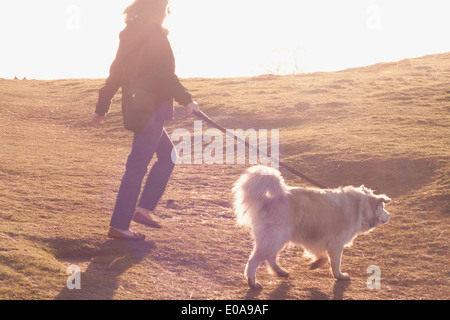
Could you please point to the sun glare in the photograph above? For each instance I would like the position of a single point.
(50, 39)
(240, 38)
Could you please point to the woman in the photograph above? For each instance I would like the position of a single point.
(144, 58)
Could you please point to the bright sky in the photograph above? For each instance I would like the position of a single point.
(50, 39)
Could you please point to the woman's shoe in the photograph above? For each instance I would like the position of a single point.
(145, 220)
(114, 233)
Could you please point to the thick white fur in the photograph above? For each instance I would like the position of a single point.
(322, 221)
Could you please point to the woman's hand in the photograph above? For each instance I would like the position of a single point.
(193, 107)
(96, 119)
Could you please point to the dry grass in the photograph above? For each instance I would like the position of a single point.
(385, 126)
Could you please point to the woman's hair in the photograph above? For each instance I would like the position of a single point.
(146, 12)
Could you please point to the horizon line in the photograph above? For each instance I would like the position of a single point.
(24, 77)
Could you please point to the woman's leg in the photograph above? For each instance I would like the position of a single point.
(144, 146)
(159, 174)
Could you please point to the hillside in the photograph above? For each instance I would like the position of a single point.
(385, 126)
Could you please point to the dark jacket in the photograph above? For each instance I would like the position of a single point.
(145, 55)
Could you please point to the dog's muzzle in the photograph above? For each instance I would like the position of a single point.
(384, 218)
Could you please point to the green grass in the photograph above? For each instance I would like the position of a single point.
(384, 126)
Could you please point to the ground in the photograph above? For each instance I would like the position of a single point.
(385, 126)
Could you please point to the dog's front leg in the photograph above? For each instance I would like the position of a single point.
(335, 254)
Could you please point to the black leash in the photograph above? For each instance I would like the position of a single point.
(202, 116)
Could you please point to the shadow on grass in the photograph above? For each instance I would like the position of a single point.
(339, 288)
(108, 262)
(282, 292)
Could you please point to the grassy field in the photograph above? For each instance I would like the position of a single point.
(385, 126)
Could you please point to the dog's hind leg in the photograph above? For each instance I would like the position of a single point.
(273, 263)
(265, 249)
(250, 270)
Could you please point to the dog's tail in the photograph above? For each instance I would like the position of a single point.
(254, 190)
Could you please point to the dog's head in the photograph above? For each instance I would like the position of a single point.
(373, 211)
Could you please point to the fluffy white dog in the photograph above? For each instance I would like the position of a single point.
(322, 221)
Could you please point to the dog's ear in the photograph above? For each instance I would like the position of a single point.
(384, 198)
(378, 200)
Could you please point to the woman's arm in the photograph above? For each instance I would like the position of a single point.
(112, 85)
(167, 81)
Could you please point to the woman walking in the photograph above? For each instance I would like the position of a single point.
(144, 61)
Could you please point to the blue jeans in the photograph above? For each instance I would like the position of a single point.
(152, 139)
